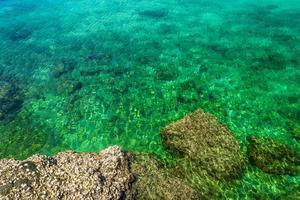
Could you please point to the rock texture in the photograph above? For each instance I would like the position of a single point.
(154, 180)
(206, 143)
(68, 175)
(273, 157)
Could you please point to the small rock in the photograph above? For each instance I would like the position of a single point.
(273, 157)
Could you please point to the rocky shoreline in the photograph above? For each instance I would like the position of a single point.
(68, 175)
(203, 149)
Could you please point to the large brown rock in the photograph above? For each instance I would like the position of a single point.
(206, 143)
(68, 175)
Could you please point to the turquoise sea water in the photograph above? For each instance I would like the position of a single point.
(86, 74)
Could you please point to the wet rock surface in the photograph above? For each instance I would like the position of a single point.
(206, 143)
(273, 157)
(68, 175)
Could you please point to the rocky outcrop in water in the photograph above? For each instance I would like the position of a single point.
(209, 154)
(206, 144)
(273, 157)
(68, 175)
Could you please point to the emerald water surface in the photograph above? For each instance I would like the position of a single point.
(92, 73)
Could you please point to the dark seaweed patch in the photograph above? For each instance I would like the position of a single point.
(10, 99)
(272, 61)
(154, 14)
(20, 34)
(66, 66)
(167, 29)
(167, 74)
(99, 58)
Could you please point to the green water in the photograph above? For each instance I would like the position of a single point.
(93, 73)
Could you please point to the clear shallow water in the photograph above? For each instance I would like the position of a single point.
(94, 73)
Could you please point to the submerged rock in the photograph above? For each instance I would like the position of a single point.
(154, 180)
(273, 157)
(206, 143)
(10, 99)
(68, 175)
